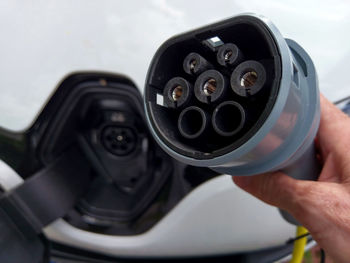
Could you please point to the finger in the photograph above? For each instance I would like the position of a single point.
(329, 171)
(276, 189)
(333, 133)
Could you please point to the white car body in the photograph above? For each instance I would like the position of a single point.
(43, 41)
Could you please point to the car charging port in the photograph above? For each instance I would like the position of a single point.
(120, 141)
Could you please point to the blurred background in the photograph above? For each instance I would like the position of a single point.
(42, 41)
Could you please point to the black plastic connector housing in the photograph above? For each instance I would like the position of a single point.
(240, 72)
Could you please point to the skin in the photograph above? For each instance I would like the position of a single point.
(322, 206)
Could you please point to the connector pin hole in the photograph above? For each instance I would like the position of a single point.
(192, 122)
(119, 141)
(209, 87)
(228, 55)
(177, 92)
(228, 118)
(193, 64)
(249, 79)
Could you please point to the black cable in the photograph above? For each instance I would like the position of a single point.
(291, 240)
(341, 100)
(322, 256)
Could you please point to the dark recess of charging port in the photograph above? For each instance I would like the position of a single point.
(133, 182)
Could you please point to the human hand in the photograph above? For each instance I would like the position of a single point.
(322, 206)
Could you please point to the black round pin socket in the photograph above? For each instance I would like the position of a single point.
(229, 55)
(210, 86)
(192, 122)
(228, 118)
(119, 140)
(248, 78)
(195, 64)
(177, 92)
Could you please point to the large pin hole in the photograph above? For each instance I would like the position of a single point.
(209, 87)
(249, 79)
(228, 119)
(191, 122)
(177, 92)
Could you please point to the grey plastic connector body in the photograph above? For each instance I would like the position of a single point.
(288, 133)
(285, 141)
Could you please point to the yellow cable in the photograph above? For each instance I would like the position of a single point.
(299, 245)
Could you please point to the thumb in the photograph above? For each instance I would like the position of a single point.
(276, 189)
